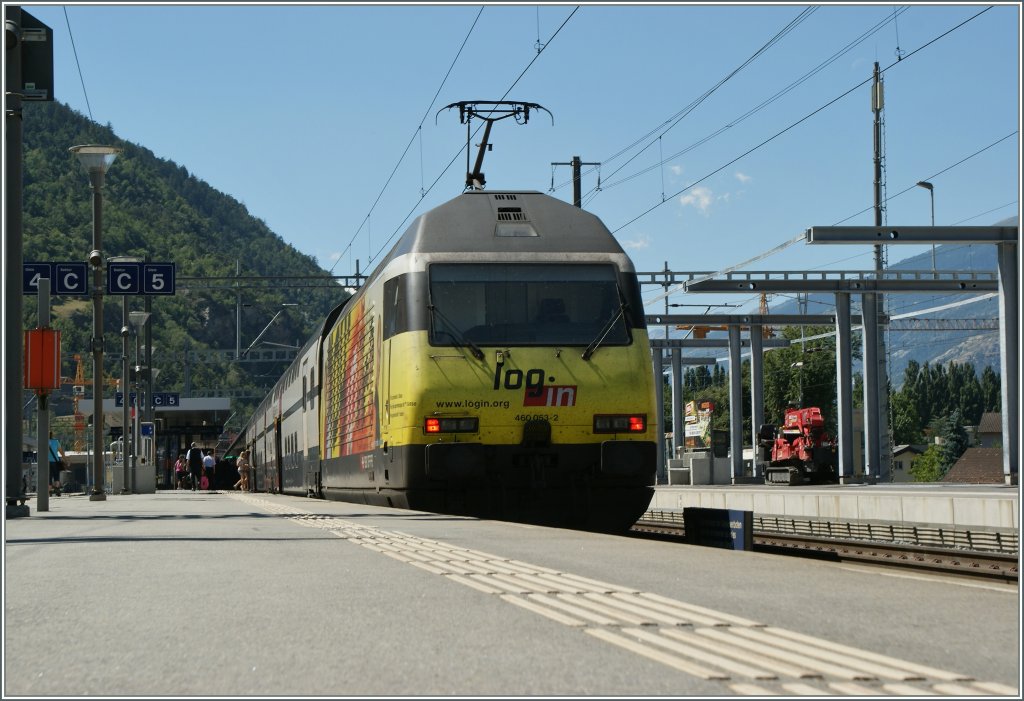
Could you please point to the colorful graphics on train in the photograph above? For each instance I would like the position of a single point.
(348, 409)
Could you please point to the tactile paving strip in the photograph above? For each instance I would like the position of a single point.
(748, 657)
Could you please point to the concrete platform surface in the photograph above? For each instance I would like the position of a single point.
(225, 594)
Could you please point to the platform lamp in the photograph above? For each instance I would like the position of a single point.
(96, 160)
(931, 192)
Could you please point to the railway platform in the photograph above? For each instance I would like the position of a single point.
(183, 593)
(985, 517)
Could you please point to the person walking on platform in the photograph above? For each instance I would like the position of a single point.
(243, 472)
(209, 467)
(57, 461)
(180, 468)
(194, 458)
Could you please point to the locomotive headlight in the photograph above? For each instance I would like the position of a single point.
(620, 423)
(467, 425)
(451, 425)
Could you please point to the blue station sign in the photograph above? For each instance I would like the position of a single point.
(140, 278)
(70, 278)
(124, 278)
(160, 399)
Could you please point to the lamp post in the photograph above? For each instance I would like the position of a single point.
(125, 384)
(138, 321)
(96, 160)
(125, 333)
(800, 365)
(931, 192)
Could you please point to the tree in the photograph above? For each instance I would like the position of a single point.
(906, 422)
(801, 375)
(991, 390)
(931, 393)
(927, 467)
(954, 437)
(952, 441)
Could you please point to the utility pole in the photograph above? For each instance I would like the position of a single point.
(12, 272)
(876, 392)
(147, 407)
(28, 76)
(238, 311)
(577, 194)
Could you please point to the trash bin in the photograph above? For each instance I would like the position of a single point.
(67, 481)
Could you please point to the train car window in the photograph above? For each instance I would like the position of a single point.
(527, 304)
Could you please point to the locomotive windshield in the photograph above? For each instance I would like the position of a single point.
(526, 304)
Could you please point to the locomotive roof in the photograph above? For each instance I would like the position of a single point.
(473, 222)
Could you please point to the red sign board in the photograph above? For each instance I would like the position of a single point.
(42, 360)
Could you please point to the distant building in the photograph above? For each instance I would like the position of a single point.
(902, 457)
(990, 430)
(977, 466)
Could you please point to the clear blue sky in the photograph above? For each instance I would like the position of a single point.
(304, 112)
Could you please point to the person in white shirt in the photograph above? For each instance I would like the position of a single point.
(209, 467)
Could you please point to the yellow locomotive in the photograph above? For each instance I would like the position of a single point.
(496, 364)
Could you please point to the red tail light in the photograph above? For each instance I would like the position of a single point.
(620, 423)
(469, 424)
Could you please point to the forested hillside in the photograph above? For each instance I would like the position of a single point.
(154, 207)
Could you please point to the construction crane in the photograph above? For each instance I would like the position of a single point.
(701, 331)
(766, 331)
(77, 392)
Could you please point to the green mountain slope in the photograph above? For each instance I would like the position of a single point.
(154, 207)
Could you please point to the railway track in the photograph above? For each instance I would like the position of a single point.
(973, 563)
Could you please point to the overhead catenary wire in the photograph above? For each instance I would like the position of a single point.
(817, 69)
(416, 132)
(424, 192)
(995, 209)
(74, 50)
(798, 122)
(800, 236)
(459, 152)
(679, 116)
(749, 113)
(935, 175)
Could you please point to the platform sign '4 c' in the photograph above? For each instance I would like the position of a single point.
(66, 278)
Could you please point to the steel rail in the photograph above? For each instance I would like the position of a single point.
(1000, 566)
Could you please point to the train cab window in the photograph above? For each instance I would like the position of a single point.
(527, 304)
(404, 305)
